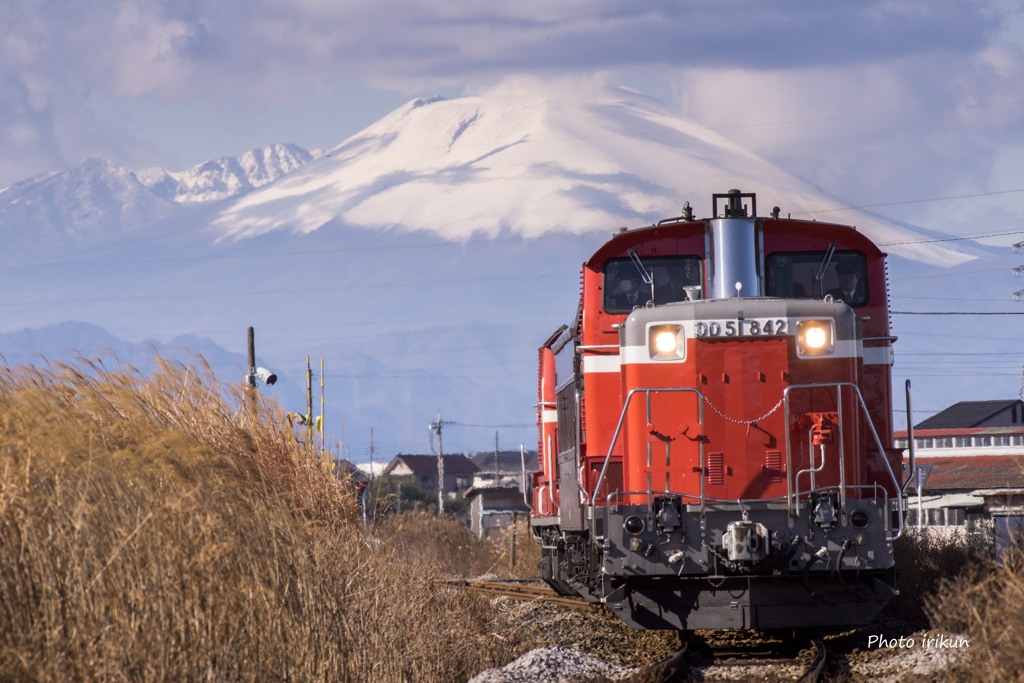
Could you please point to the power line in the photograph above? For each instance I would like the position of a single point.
(925, 201)
(253, 255)
(514, 426)
(953, 239)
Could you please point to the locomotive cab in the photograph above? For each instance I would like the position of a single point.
(716, 430)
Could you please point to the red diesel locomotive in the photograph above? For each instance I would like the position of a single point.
(716, 426)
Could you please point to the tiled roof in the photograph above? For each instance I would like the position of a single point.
(963, 431)
(427, 464)
(498, 498)
(508, 461)
(973, 472)
(966, 414)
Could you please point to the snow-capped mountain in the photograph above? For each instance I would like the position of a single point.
(424, 258)
(228, 176)
(526, 162)
(100, 200)
(96, 200)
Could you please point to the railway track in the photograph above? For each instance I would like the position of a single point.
(758, 660)
(747, 665)
(523, 590)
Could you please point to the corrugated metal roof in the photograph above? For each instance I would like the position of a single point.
(973, 472)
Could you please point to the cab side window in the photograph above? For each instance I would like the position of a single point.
(815, 275)
(672, 279)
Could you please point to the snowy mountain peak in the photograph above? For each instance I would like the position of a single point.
(423, 101)
(228, 176)
(528, 158)
(99, 199)
(96, 199)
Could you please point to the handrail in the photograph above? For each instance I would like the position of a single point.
(790, 482)
(552, 463)
(622, 419)
(871, 426)
(911, 475)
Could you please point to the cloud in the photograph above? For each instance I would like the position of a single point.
(174, 48)
(65, 66)
(927, 125)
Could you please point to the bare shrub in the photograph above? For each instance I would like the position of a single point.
(527, 550)
(985, 605)
(924, 561)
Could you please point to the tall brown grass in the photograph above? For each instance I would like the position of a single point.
(985, 605)
(169, 528)
(925, 563)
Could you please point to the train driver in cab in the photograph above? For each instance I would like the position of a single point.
(628, 293)
(849, 289)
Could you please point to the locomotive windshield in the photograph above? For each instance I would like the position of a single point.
(792, 276)
(676, 278)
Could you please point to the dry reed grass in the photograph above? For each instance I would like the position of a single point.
(924, 562)
(167, 528)
(985, 605)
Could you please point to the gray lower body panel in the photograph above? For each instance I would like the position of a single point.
(761, 602)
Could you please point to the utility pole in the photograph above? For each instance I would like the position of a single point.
(497, 466)
(323, 418)
(371, 453)
(438, 428)
(309, 408)
(251, 376)
(1019, 294)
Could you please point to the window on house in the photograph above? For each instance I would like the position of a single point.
(1009, 531)
(936, 517)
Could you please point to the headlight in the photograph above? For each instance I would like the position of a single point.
(666, 342)
(859, 519)
(814, 337)
(634, 525)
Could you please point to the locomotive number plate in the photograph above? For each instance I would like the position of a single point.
(749, 327)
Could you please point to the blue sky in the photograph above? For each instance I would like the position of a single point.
(880, 102)
(912, 109)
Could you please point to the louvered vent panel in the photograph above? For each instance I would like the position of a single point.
(716, 468)
(773, 466)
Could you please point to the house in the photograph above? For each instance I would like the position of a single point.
(494, 507)
(422, 470)
(505, 468)
(343, 469)
(970, 458)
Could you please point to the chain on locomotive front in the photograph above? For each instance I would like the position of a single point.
(716, 426)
